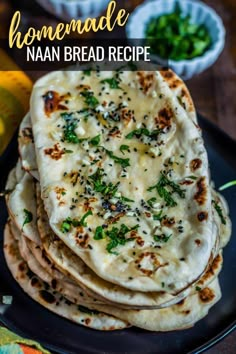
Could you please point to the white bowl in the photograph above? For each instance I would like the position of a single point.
(200, 14)
(74, 9)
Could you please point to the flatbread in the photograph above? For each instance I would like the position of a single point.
(20, 203)
(65, 260)
(180, 316)
(69, 290)
(155, 254)
(48, 297)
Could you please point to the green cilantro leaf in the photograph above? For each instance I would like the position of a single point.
(151, 201)
(116, 236)
(68, 223)
(95, 141)
(123, 162)
(162, 238)
(219, 212)
(99, 233)
(90, 99)
(227, 185)
(113, 83)
(158, 216)
(82, 221)
(165, 193)
(138, 133)
(100, 186)
(174, 36)
(28, 217)
(87, 72)
(124, 148)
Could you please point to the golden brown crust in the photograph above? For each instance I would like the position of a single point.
(55, 152)
(52, 102)
(195, 164)
(145, 80)
(201, 194)
(206, 295)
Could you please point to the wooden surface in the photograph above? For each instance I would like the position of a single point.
(214, 91)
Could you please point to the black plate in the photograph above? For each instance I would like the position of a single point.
(28, 318)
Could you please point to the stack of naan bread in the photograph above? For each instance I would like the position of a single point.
(113, 220)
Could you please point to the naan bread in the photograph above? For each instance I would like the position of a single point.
(48, 297)
(165, 160)
(180, 316)
(70, 290)
(65, 260)
(69, 262)
(26, 147)
(21, 203)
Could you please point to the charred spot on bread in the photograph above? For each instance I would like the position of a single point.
(206, 295)
(195, 164)
(55, 152)
(201, 194)
(52, 102)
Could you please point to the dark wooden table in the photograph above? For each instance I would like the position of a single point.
(214, 91)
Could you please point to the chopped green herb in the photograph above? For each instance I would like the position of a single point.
(69, 132)
(90, 99)
(69, 129)
(28, 217)
(67, 223)
(158, 216)
(151, 201)
(99, 233)
(95, 141)
(227, 185)
(87, 72)
(82, 221)
(113, 83)
(166, 194)
(137, 133)
(219, 212)
(192, 177)
(68, 151)
(123, 162)
(163, 284)
(198, 288)
(174, 36)
(124, 148)
(162, 238)
(127, 200)
(100, 186)
(116, 236)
